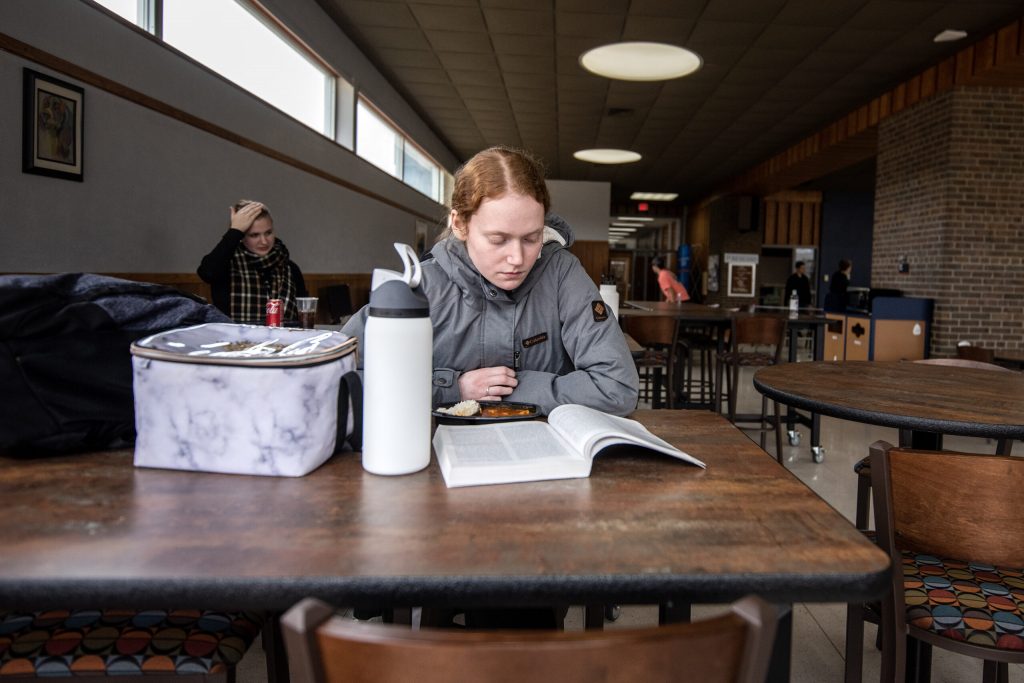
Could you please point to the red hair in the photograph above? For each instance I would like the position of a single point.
(494, 172)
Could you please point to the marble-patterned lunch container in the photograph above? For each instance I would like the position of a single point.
(239, 399)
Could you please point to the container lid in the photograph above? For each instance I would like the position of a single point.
(247, 345)
(395, 299)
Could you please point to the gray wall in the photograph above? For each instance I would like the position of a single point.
(156, 191)
(584, 204)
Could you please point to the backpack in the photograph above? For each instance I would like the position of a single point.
(65, 366)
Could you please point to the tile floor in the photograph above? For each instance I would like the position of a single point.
(818, 629)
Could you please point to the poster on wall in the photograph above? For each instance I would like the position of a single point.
(712, 272)
(52, 127)
(741, 274)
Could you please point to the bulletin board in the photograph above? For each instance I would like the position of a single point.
(741, 279)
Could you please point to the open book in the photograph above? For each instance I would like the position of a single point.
(562, 448)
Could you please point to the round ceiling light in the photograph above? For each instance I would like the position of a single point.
(640, 61)
(607, 156)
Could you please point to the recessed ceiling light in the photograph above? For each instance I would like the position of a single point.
(654, 196)
(622, 227)
(607, 156)
(640, 61)
(949, 35)
(634, 218)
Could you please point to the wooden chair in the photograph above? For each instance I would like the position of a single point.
(976, 353)
(657, 362)
(863, 467)
(323, 648)
(952, 524)
(755, 341)
(337, 301)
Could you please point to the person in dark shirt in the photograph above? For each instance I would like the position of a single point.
(250, 265)
(798, 281)
(838, 285)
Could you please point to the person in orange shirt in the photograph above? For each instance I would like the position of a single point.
(668, 284)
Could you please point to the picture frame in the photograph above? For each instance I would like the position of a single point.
(53, 127)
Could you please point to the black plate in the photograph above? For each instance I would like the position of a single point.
(484, 418)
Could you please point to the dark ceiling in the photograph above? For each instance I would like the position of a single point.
(486, 72)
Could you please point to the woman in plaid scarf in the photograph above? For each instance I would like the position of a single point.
(249, 265)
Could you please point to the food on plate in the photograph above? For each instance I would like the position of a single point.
(503, 410)
(462, 409)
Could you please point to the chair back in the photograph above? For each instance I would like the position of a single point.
(652, 330)
(759, 330)
(324, 648)
(338, 301)
(976, 353)
(949, 504)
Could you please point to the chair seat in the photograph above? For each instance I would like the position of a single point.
(124, 642)
(747, 358)
(976, 603)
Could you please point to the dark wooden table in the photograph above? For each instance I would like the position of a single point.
(923, 401)
(92, 529)
(808, 319)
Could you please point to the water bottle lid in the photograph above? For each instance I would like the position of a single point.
(394, 299)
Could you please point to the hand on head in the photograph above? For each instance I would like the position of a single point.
(242, 218)
(487, 384)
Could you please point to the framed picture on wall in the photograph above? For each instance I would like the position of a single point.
(52, 127)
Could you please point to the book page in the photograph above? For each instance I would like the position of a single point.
(505, 453)
(591, 430)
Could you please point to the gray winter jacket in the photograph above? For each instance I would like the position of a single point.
(553, 330)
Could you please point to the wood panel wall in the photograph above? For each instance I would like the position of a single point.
(792, 218)
(593, 254)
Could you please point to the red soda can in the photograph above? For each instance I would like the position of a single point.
(273, 313)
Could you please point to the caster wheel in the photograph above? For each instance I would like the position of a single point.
(612, 612)
(794, 437)
(818, 453)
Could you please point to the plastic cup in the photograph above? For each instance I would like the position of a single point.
(307, 311)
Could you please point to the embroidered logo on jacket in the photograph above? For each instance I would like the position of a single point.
(600, 311)
(535, 339)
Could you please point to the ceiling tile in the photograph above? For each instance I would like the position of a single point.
(416, 58)
(532, 46)
(397, 38)
(817, 13)
(464, 61)
(520, 21)
(760, 11)
(411, 75)
(486, 77)
(526, 80)
(447, 18)
(460, 41)
(368, 13)
(671, 30)
(528, 64)
(605, 27)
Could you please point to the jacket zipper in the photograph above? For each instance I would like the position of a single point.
(515, 346)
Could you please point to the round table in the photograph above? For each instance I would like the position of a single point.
(924, 401)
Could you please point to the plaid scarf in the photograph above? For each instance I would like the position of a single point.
(254, 279)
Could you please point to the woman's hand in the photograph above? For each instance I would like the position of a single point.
(242, 219)
(487, 384)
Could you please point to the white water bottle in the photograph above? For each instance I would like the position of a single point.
(610, 295)
(397, 349)
(794, 304)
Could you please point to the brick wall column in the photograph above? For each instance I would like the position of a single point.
(949, 196)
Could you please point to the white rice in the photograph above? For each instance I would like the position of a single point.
(462, 409)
